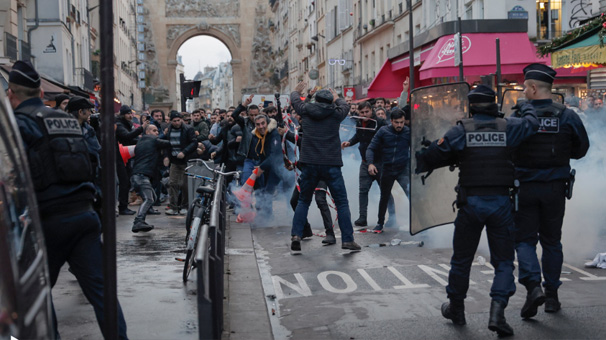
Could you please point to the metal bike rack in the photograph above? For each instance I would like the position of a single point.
(210, 267)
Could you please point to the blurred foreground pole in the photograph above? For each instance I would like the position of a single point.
(108, 159)
(411, 48)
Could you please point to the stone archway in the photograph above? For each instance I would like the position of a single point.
(241, 25)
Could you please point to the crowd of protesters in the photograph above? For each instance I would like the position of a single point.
(153, 148)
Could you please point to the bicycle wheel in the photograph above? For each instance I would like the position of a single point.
(191, 212)
(189, 263)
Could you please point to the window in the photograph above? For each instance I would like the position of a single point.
(468, 12)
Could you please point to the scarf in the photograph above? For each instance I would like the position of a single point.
(262, 141)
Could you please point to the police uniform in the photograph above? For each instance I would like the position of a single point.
(481, 147)
(543, 169)
(61, 172)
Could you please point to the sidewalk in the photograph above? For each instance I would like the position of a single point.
(156, 303)
(246, 315)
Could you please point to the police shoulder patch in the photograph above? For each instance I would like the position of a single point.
(62, 126)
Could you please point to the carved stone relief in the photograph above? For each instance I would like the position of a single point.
(174, 31)
(202, 8)
(261, 68)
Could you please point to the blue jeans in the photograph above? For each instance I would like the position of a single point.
(540, 218)
(75, 238)
(494, 212)
(247, 170)
(311, 174)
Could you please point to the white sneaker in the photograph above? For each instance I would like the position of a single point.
(183, 212)
(171, 212)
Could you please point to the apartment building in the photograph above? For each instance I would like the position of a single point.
(14, 41)
(349, 43)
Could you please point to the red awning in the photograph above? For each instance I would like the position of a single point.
(479, 55)
(402, 62)
(387, 84)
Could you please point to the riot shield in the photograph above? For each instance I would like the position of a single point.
(511, 97)
(434, 110)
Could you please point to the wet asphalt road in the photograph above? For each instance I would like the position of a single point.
(156, 304)
(390, 292)
(395, 292)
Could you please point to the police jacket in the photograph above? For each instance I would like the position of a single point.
(363, 136)
(246, 126)
(393, 147)
(546, 155)
(188, 143)
(322, 121)
(125, 134)
(58, 158)
(147, 154)
(451, 149)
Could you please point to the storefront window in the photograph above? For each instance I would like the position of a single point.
(549, 19)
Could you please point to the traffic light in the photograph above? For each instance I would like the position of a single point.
(190, 89)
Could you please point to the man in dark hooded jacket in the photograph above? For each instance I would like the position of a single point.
(321, 160)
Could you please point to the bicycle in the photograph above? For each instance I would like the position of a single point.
(198, 213)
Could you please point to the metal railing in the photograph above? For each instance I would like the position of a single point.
(210, 257)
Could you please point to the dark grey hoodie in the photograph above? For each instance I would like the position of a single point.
(321, 145)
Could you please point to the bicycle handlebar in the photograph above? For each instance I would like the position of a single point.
(236, 173)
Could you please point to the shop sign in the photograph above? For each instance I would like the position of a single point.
(447, 52)
(349, 92)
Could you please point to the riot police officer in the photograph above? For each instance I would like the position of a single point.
(543, 169)
(481, 147)
(62, 175)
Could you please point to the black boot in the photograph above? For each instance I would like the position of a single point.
(552, 303)
(534, 298)
(330, 237)
(497, 322)
(455, 311)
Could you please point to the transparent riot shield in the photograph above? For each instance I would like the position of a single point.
(434, 110)
(511, 98)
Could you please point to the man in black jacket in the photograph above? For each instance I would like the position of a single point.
(366, 127)
(393, 142)
(183, 143)
(147, 153)
(125, 135)
(321, 160)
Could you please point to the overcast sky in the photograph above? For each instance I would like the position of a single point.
(201, 51)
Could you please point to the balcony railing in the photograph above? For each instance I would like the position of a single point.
(10, 46)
